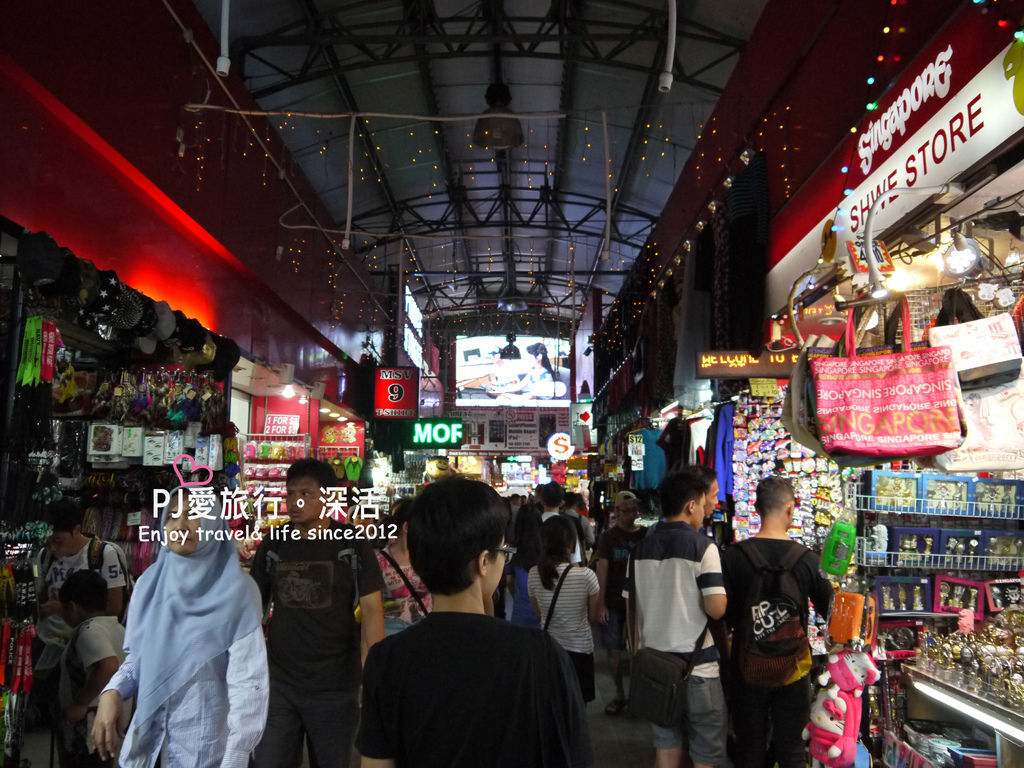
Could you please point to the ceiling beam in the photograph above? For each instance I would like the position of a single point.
(426, 15)
(371, 151)
(476, 37)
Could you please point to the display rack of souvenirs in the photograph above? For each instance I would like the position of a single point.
(762, 446)
(264, 462)
(18, 607)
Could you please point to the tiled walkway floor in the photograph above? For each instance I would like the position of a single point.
(620, 741)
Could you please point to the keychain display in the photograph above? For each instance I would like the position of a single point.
(762, 446)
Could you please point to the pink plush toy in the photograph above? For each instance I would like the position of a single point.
(832, 731)
(849, 671)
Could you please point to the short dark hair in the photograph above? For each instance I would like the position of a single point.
(679, 489)
(318, 470)
(550, 494)
(85, 588)
(706, 475)
(773, 493)
(574, 501)
(450, 523)
(64, 515)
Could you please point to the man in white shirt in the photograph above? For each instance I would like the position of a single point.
(677, 588)
(68, 550)
(550, 495)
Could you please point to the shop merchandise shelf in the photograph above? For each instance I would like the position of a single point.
(967, 509)
(873, 559)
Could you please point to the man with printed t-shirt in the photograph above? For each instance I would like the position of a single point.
(785, 707)
(315, 582)
(68, 550)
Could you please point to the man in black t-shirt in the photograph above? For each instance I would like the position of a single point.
(461, 689)
(787, 708)
(613, 550)
(315, 574)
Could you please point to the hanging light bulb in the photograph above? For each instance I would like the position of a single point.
(700, 226)
(727, 182)
(288, 391)
(746, 156)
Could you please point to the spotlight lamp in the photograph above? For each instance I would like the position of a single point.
(962, 258)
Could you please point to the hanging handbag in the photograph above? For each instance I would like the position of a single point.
(995, 431)
(894, 406)
(799, 408)
(986, 350)
(659, 680)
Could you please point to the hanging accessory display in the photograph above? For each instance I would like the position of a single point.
(986, 350)
(894, 405)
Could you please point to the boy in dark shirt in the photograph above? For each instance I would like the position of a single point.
(315, 578)
(613, 550)
(753, 707)
(461, 689)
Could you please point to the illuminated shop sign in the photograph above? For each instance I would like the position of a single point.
(733, 364)
(437, 433)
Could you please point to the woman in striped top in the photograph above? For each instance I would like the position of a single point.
(574, 591)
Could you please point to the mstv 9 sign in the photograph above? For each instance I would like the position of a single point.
(396, 393)
(437, 433)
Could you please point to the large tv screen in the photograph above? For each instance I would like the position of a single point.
(491, 370)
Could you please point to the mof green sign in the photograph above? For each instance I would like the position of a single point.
(437, 433)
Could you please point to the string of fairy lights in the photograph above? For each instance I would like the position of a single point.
(652, 266)
(773, 135)
(538, 172)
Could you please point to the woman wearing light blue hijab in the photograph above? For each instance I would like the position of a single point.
(195, 660)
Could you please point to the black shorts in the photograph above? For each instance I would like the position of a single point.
(583, 663)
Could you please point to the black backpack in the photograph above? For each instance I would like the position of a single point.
(773, 649)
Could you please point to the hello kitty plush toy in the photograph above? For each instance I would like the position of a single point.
(831, 732)
(849, 671)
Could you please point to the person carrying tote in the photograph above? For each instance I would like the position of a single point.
(195, 660)
(566, 599)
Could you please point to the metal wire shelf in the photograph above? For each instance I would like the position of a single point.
(941, 562)
(891, 505)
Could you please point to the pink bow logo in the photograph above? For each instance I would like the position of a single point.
(192, 468)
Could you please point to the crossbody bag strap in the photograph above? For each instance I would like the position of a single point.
(554, 597)
(698, 647)
(405, 579)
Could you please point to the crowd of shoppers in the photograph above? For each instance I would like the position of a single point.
(328, 644)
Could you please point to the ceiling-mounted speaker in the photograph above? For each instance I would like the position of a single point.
(317, 393)
(287, 373)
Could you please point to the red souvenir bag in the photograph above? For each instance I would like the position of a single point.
(898, 405)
